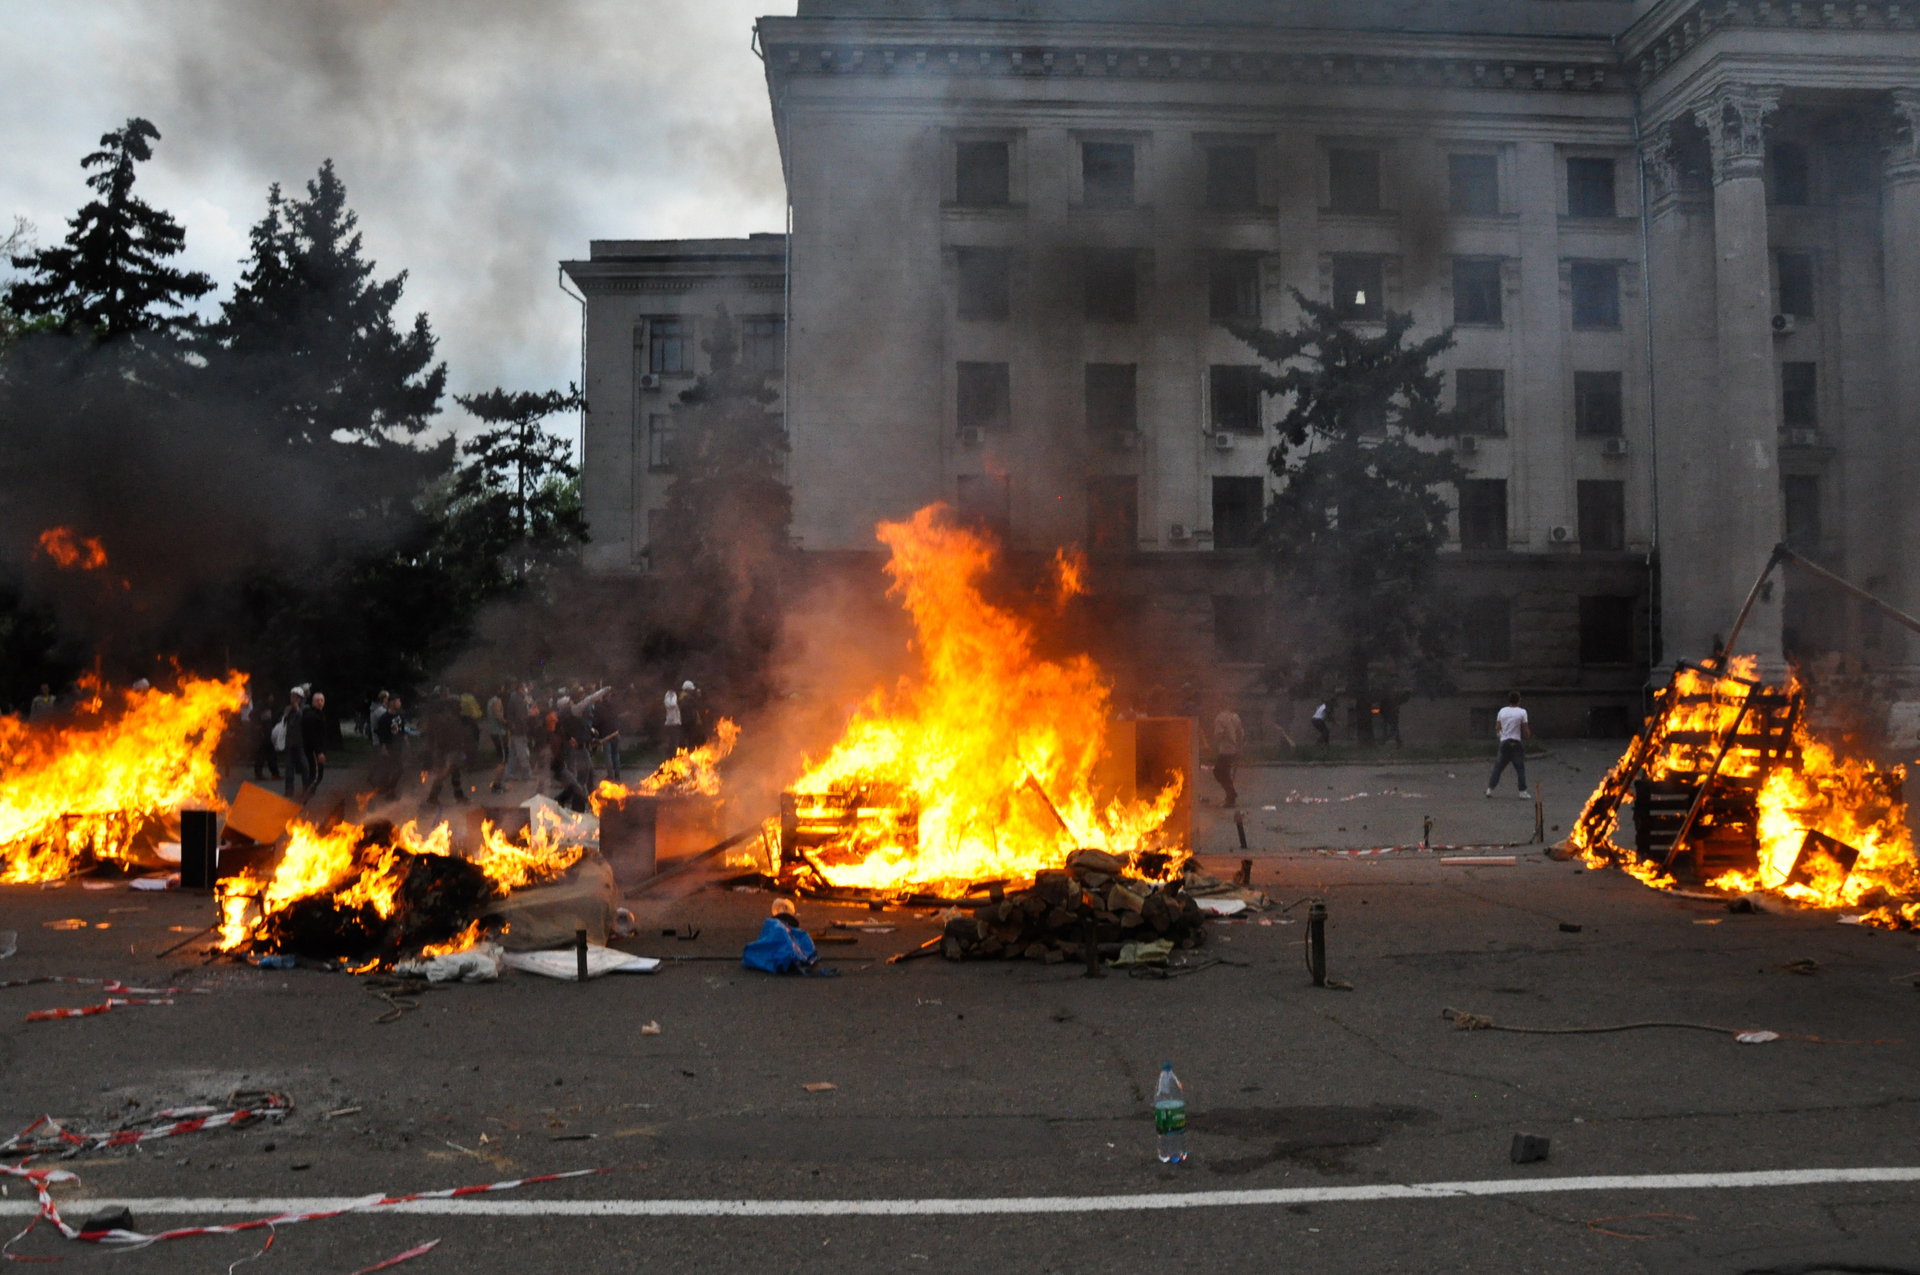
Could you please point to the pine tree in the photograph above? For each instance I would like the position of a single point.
(310, 333)
(1356, 527)
(110, 276)
(517, 490)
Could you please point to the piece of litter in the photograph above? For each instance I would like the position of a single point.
(1481, 861)
(820, 1086)
(1269, 807)
(565, 964)
(1222, 907)
(157, 881)
(572, 1137)
(1854, 920)
(1714, 920)
(70, 923)
(1756, 1038)
(98, 885)
(9, 943)
(650, 1029)
(343, 1111)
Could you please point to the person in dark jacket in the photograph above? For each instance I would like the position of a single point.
(264, 761)
(390, 744)
(313, 738)
(446, 747)
(292, 725)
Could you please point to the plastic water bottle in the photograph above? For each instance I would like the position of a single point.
(1170, 1118)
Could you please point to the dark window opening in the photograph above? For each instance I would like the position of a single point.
(982, 398)
(1799, 395)
(669, 345)
(981, 174)
(1239, 628)
(763, 344)
(1602, 510)
(1598, 404)
(1590, 188)
(1233, 178)
(1800, 503)
(1112, 287)
(1112, 407)
(1106, 174)
(1792, 176)
(1487, 630)
(1239, 507)
(1483, 513)
(1596, 294)
(1357, 289)
(1353, 181)
(982, 276)
(1480, 395)
(660, 439)
(1606, 630)
(986, 500)
(1235, 395)
(1476, 291)
(1113, 513)
(1473, 184)
(1796, 284)
(1233, 288)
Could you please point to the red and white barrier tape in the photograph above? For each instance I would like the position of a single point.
(89, 1011)
(42, 1179)
(118, 994)
(180, 1120)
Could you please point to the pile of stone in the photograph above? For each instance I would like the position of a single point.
(1049, 920)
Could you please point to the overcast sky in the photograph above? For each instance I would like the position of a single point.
(481, 141)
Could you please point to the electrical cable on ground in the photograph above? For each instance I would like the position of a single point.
(1463, 1021)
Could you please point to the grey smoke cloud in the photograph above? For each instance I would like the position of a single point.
(481, 140)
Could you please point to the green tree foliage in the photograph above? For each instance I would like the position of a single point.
(514, 506)
(110, 276)
(1355, 529)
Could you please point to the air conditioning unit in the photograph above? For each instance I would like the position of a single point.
(1177, 532)
(1614, 447)
(650, 380)
(1784, 325)
(1222, 441)
(1803, 438)
(972, 436)
(1561, 535)
(1466, 444)
(1127, 440)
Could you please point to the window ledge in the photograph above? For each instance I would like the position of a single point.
(950, 206)
(1487, 325)
(1096, 210)
(1598, 327)
(1570, 222)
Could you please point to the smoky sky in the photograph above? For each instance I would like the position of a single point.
(480, 141)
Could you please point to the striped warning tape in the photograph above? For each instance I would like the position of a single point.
(1355, 854)
(118, 994)
(179, 1120)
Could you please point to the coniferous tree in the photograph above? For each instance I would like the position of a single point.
(1357, 524)
(515, 502)
(110, 276)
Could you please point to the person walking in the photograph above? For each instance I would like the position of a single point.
(520, 718)
(1514, 731)
(1323, 721)
(447, 741)
(292, 738)
(1228, 736)
(1390, 715)
(673, 733)
(606, 735)
(265, 763)
(497, 733)
(44, 705)
(313, 737)
(390, 742)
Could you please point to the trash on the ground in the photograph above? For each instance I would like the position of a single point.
(120, 1219)
(1481, 861)
(820, 1086)
(838, 940)
(1745, 905)
(1804, 965)
(478, 964)
(93, 1011)
(99, 885)
(1756, 1038)
(338, 1112)
(565, 965)
(9, 943)
(1221, 907)
(1154, 953)
(249, 1106)
(397, 1258)
(270, 961)
(69, 923)
(156, 881)
(865, 927)
(650, 1029)
(624, 925)
(1569, 927)
(1711, 920)
(1529, 1147)
(780, 946)
(545, 916)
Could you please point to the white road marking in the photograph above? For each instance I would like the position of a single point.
(486, 1206)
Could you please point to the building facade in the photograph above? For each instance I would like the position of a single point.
(1676, 242)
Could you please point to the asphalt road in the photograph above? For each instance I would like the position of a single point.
(1021, 1081)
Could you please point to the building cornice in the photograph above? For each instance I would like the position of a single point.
(1671, 29)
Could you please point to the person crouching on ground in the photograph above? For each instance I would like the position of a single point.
(1514, 734)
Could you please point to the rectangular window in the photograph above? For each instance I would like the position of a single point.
(1473, 185)
(1111, 404)
(1234, 392)
(1597, 405)
(1606, 630)
(1590, 188)
(1796, 284)
(1233, 288)
(1596, 294)
(1106, 174)
(1239, 628)
(1483, 513)
(1487, 630)
(660, 436)
(1799, 395)
(1800, 505)
(981, 173)
(1239, 507)
(1113, 513)
(981, 398)
(1353, 181)
(982, 277)
(1476, 290)
(1112, 286)
(986, 500)
(1602, 508)
(1233, 178)
(763, 344)
(1792, 176)
(1357, 289)
(1480, 394)
(669, 346)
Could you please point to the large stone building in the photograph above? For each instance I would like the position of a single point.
(1677, 241)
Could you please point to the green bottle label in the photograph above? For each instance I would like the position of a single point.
(1170, 1119)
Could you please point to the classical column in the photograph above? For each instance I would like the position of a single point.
(1900, 261)
(1742, 520)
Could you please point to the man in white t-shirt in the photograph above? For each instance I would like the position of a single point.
(1514, 734)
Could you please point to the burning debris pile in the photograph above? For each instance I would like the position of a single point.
(690, 772)
(1092, 899)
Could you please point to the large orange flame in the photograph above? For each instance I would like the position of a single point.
(71, 551)
(85, 786)
(689, 772)
(983, 767)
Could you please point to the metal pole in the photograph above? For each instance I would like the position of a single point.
(1780, 554)
(580, 952)
(1090, 948)
(1317, 942)
(1788, 555)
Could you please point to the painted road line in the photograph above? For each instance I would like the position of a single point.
(475, 1206)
